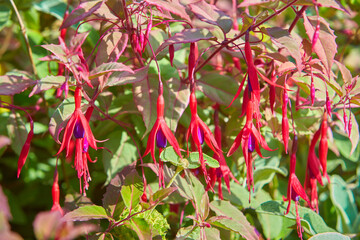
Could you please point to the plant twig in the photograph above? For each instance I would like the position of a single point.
(23, 30)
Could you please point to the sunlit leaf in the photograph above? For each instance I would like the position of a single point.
(211, 14)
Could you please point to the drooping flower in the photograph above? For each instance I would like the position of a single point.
(200, 132)
(313, 173)
(222, 172)
(79, 121)
(249, 137)
(159, 135)
(77, 139)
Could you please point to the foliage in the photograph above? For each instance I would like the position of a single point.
(142, 99)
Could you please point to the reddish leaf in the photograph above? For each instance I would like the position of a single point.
(212, 15)
(145, 97)
(13, 84)
(282, 38)
(109, 68)
(46, 83)
(172, 6)
(111, 47)
(84, 10)
(176, 96)
(186, 36)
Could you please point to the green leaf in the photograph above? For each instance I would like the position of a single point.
(161, 194)
(235, 221)
(132, 189)
(55, 8)
(211, 162)
(169, 155)
(141, 227)
(156, 221)
(188, 233)
(331, 235)
(87, 212)
(344, 202)
(311, 221)
(123, 152)
(46, 83)
(219, 88)
(325, 47)
(212, 15)
(265, 170)
(110, 67)
(212, 234)
(5, 13)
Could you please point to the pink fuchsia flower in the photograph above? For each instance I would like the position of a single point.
(200, 132)
(295, 189)
(249, 138)
(313, 173)
(77, 126)
(159, 135)
(222, 172)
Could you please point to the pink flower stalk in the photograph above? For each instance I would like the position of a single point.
(200, 132)
(159, 135)
(249, 138)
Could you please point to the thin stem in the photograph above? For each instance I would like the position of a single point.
(298, 15)
(177, 171)
(23, 30)
(226, 43)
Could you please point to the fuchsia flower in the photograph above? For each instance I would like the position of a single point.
(295, 189)
(216, 174)
(200, 132)
(249, 138)
(159, 135)
(313, 173)
(78, 127)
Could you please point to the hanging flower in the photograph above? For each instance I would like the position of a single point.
(78, 137)
(249, 138)
(159, 135)
(77, 125)
(200, 132)
(313, 174)
(222, 172)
